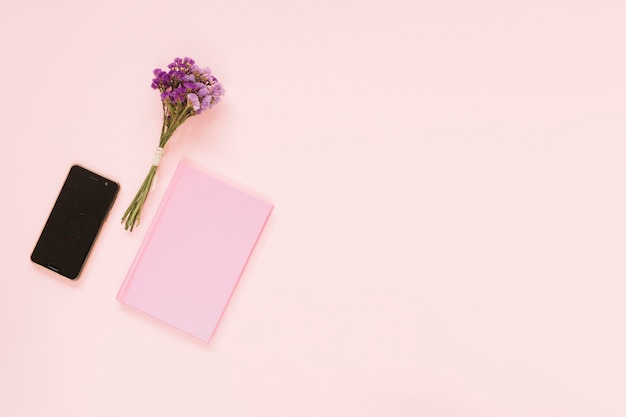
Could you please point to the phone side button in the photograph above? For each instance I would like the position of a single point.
(54, 268)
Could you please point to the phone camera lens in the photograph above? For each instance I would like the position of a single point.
(106, 183)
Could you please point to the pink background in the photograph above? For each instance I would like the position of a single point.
(450, 224)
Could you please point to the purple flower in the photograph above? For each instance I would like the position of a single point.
(206, 103)
(195, 102)
(185, 63)
(217, 89)
(186, 83)
(161, 79)
(176, 75)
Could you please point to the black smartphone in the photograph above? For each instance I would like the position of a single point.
(75, 221)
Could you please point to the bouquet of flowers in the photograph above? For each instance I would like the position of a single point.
(186, 90)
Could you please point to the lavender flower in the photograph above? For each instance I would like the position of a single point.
(195, 102)
(185, 87)
(186, 90)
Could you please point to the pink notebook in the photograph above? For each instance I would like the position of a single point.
(194, 252)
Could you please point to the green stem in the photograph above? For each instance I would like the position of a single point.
(132, 216)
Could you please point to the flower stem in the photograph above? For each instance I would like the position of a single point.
(132, 216)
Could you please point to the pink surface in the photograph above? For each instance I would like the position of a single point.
(194, 251)
(449, 231)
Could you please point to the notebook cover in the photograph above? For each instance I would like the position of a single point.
(194, 251)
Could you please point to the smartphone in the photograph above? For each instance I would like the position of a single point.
(75, 221)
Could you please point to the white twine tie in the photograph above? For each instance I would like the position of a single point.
(158, 155)
(156, 160)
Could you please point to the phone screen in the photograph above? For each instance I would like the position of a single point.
(74, 223)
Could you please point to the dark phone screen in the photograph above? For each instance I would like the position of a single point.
(74, 223)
